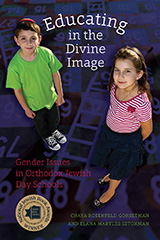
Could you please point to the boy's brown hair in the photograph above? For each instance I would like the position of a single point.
(27, 24)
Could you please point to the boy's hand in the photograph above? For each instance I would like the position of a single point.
(22, 101)
(60, 101)
(30, 113)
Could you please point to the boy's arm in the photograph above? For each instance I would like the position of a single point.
(146, 128)
(58, 84)
(21, 100)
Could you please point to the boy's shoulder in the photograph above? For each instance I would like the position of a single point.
(44, 50)
(45, 53)
(13, 62)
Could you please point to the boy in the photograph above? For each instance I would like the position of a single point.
(31, 73)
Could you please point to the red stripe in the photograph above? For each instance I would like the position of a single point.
(126, 116)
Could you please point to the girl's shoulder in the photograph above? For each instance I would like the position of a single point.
(113, 88)
(143, 107)
(142, 103)
(142, 98)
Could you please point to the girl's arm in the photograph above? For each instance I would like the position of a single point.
(21, 100)
(146, 128)
(58, 84)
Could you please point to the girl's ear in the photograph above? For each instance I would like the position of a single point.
(16, 40)
(139, 75)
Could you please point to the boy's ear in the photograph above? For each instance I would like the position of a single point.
(16, 40)
(40, 39)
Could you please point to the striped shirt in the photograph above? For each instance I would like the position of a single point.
(125, 116)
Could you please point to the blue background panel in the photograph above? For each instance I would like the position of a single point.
(86, 104)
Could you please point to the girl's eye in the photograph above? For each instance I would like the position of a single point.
(116, 70)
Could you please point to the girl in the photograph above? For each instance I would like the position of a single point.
(128, 122)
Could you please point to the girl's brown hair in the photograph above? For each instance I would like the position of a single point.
(136, 57)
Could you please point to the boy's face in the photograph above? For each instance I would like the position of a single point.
(28, 41)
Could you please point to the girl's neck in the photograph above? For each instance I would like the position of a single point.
(127, 94)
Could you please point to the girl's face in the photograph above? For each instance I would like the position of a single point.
(28, 41)
(125, 74)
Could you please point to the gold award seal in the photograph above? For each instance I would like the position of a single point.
(33, 212)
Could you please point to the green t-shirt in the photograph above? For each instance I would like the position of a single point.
(35, 78)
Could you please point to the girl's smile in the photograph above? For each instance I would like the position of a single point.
(125, 75)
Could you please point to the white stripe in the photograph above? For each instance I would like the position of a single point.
(122, 119)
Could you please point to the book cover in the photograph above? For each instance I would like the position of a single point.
(52, 192)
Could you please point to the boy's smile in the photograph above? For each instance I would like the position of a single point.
(28, 41)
